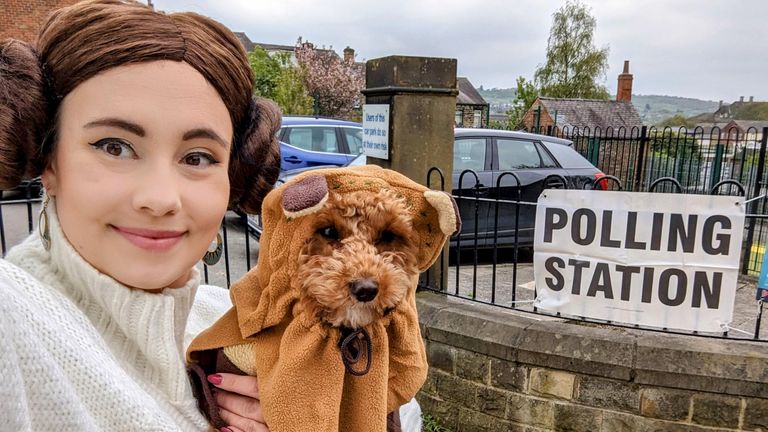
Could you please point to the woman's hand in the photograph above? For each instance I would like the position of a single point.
(238, 400)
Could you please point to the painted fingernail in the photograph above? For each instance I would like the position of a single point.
(225, 429)
(215, 379)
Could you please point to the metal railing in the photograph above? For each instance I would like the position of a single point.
(484, 267)
(495, 279)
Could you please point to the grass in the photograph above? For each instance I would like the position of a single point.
(432, 425)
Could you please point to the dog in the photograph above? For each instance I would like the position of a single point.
(359, 262)
(327, 320)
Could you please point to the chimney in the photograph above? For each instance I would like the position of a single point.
(751, 98)
(349, 55)
(624, 91)
(721, 104)
(741, 99)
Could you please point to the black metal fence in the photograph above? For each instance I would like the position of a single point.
(498, 275)
(698, 159)
(492, 275)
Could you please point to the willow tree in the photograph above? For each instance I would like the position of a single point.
(574, 67)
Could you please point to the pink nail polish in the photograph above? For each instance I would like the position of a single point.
(215, 379)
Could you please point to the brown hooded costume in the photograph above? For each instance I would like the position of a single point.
(304, 384)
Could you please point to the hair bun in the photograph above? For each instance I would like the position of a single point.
(255, 162)
(23, 112)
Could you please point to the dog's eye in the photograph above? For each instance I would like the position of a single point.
(387, 237)
(329, 232)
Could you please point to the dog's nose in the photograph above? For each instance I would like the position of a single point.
(364, 290)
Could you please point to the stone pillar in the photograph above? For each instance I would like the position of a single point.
(421, 93)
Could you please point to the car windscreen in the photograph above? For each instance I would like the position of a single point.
(568, 157)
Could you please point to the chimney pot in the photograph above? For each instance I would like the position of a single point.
(741, 99)
(349, 54)
(751, 98)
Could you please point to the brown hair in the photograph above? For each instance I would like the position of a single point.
(79, 41)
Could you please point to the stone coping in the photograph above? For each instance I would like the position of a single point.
(735, 367)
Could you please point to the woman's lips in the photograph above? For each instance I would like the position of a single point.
(151, 240)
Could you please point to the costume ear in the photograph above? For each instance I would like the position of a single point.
(305, 196)
(447, 211)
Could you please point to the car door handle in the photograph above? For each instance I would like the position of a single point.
(292, 159)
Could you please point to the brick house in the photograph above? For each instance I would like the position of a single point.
(249, 45)
(471, 109)
(562, 114)
(21, 19)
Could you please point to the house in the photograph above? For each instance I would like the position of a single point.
(269, 48)
(349, 53)
(21, 19)
(585, 115)
(471, 109)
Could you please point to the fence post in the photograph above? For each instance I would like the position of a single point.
(640, 162)
(717, 165)
(752, 209)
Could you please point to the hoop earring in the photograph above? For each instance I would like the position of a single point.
(212, 257)
(43, 227)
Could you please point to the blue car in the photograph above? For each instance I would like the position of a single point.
(292, 158)
(316, 141)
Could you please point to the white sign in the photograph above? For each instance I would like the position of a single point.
(652, 259)
(376, 131)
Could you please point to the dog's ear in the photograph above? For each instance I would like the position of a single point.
(305, 196)
(447, 211)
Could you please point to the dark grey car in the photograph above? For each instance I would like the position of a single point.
(539, 161)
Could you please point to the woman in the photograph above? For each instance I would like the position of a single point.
(144, 130)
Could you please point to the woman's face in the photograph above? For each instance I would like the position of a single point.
(139, 172)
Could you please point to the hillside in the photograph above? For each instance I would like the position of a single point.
(652, 108)
(655, 108)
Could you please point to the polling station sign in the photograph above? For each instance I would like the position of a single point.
(652, 259)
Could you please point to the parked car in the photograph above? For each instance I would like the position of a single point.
(28, 189)
(315, 141)
(539, 161)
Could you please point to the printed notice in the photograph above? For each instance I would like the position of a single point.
(611, 256)
(376, 131)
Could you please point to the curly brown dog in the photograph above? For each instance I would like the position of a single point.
(360, 260)
(327, 320)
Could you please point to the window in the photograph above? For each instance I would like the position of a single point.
(354, 140)
(457, 119)
(477, 119)
(321, 139)
(518, 154)
(469, 153)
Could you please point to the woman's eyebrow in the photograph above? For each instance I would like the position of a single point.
(204, 133)
(118, 123)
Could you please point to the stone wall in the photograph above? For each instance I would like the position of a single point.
(494, 370)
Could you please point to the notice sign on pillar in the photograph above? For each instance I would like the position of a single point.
(651, 259)
(376, 130)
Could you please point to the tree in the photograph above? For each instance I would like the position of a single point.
(526, 95)
(278, 79)
(574, 65)
(676, 121)
(335, 84)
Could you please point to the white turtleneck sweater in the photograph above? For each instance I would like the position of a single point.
(81, 352)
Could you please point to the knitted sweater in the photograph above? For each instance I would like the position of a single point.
(82, 352)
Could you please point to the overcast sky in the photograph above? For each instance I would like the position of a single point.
(706, 49)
